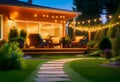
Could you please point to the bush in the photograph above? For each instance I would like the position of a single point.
(2, 42)
(13, 33)
(116, 43)
(91, 43)
(108, 53)
(105, 44)
(23, 34)
(11, 57)
(66, 42)
(117, 59)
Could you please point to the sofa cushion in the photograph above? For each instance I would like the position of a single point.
(56, 40)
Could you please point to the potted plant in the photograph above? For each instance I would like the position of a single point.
(13, 34)
(66, 42)
(22, 37)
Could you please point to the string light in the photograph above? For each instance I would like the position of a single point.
(110, 16)
(96, 28)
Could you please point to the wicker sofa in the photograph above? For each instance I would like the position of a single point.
(76, 42)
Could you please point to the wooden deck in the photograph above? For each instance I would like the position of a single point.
(38, 51)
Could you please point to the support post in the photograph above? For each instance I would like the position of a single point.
(74, 29)
(89, 35)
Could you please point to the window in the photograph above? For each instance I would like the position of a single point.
(1, 25)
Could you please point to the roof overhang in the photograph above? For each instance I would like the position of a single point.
(46, 9)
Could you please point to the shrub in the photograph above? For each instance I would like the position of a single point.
(116, 43)
(91, 43)
(23, 34)
(66, 42)
(11, 57)
(105, 44)
(108, 53)
(13, 33)
(2, 42)
(117, 59)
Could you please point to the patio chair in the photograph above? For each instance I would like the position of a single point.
(36, 40)
(77, 40)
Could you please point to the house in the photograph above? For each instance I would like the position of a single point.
(35, 19)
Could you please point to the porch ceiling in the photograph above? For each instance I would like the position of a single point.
(48, 12)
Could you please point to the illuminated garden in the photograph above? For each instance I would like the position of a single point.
(44, 44)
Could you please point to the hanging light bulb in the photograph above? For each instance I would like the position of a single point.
(89, 21)
(83, 22)
(110, 16)
(119, 16)
(95, 20)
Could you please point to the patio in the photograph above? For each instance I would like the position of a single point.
(54, 51)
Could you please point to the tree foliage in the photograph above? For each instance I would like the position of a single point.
(105, 44)
(93, 8)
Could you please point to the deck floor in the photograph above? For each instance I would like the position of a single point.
(32, 51)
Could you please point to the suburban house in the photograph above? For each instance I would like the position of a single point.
(34, 19)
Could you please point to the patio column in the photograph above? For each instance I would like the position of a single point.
(89, 35)
(74, 28)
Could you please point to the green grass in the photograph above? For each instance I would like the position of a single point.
(26, 75)
(90, 70)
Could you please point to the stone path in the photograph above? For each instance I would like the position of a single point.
(52, 71)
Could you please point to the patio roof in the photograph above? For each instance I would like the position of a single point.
(27, 5)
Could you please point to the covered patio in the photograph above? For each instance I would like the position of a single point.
(36, 20)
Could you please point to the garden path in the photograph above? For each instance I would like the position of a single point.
(52, 71)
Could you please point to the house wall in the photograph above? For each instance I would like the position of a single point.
(13, 13)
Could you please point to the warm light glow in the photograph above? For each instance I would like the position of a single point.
(119, 16)
(63, 16)
(60, 16)
(35, 15)
(95, 20)
(43, 15)
(89, 21)
(52, 16)
(47, 16)
(10, 22)
(83, 22)
(110, 16)
(100, 19)
(13, 15)
(56, 21)
(56, 16)
(78, 22)
(61, 21)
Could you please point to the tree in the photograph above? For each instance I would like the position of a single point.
(105, 44)
(89, 8)
(93, 8)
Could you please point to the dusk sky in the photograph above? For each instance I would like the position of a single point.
(61, 4)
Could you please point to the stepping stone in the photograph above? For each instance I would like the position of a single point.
(55, 63)
(56, 75)
(51, 72)
(51, 67)
(51, 79)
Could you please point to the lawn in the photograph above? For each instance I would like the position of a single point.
(90, 70)
(26, 75)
